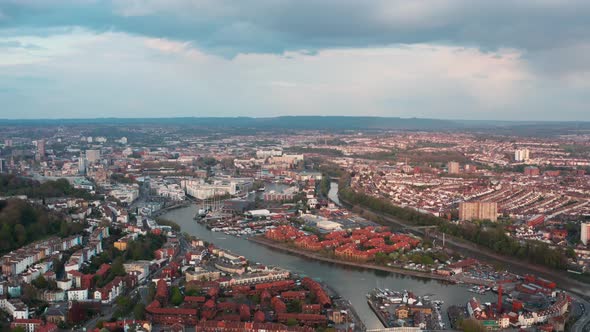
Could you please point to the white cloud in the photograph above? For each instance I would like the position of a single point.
(116, 74)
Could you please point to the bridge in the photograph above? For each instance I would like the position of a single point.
(426, 229)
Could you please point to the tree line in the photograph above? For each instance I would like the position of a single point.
(12, 185)
(22, 222)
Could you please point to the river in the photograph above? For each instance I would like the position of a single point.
(333, 193)
(351, 283)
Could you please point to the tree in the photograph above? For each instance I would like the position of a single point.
(29, 293)
(40, 282)
(151, 292)
(292, 322)
(20, 234)
(117, 268)
(381, 258)
(294, 306)
(176, 297)
(472, 325)
(570, 253)
(139, 311)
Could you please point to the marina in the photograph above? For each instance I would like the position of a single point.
(405, 309)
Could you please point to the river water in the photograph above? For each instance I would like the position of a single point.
(333, 193)
(351, 283)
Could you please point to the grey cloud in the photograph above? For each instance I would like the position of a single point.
(279, 25)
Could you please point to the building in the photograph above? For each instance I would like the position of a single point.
(201, 274)
(92, 156)
(531, 171)
(41, 148)
(15, 307)
(521, 155)
(82, 163)
(201, 190)
(78, 294)
(263, 154)
(453, 167)
(33, 325)
(141, 267)
(57, 313)
(585, 233)
(478, 211)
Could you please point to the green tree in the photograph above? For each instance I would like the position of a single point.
(570, 253)
(472, 325)
(139, 311)
(151, 292)
(176, 297)
(292, 322)
(294, 306)
(20, 234)
(40, 282)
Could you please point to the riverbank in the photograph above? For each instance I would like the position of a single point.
(473, 250)
(352, 283)
(311, 255)
(172, 207)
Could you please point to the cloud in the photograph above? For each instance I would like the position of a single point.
(232, 27)
(118, 74)
(439, 58)
(18, 44)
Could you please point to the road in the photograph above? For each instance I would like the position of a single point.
(583, 323)
(141, 290)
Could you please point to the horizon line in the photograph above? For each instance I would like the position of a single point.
(286, 116)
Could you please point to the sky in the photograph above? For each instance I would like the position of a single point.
(446, 59)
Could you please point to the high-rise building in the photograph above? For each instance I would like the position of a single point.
(82, 163)
(92, 156)
(41, 148)
(8, 143)
(453, 167)
(478, 211)
(521, 154)
(3, 166)
(585, 233)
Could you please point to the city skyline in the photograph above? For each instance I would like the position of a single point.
(443, 60)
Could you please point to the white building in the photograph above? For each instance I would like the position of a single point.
(521, 155)
(78, 294)
(64, 284)
(199, 189)
(15, 307)
(262, 154)
(125, 194)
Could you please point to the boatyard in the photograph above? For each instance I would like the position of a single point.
(406, 309)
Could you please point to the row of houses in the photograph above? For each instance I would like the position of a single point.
(360, 244)
(18, 261)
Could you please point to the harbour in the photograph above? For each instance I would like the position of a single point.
(351, 283)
